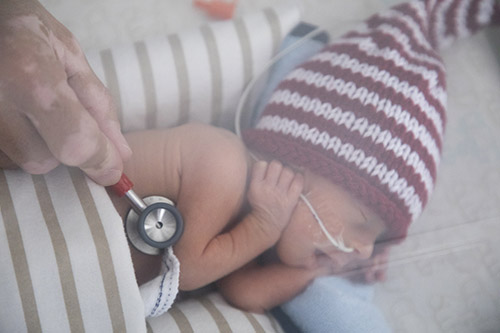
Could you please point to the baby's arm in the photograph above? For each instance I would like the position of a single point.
(204, 170)
(259, 288)
(273, 194)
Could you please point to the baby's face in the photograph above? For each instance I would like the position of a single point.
(304, 244)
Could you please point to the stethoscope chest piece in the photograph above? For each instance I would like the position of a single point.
(153, 223)
(157, 227)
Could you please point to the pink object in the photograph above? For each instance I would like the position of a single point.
(217, 8)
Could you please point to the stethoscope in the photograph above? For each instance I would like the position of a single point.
(153, 223)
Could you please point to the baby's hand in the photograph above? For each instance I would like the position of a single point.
(377, 270)
(370, 270)
(273, 195)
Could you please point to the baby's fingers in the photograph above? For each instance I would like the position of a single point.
(285, 179)
(296, 186)
(259, 171)
(290, 183)
(273, 172)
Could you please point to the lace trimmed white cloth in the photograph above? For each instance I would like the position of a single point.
(159, 294)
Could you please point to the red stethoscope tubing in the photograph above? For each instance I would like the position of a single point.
(123, 186)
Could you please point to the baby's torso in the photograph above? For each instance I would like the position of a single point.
(195, 166)
(217, 158)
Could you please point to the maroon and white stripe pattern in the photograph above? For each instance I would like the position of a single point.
(368, 111)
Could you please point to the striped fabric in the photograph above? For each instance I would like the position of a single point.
(194, 75)
(64, 260)
(211, 314)
(65, 264)
(368, 111)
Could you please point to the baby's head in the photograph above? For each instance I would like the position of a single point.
(365, 117)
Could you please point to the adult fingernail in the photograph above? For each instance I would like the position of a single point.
(105, 177)
(40, 167)
(125, 152)
(119, 140)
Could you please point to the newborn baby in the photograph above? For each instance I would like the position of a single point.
(347, 150)
(235, 208)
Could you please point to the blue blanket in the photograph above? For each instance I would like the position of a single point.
(334, 304)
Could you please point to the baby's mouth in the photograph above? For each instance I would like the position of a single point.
(336, 260)
(337, 241)
(323, 259)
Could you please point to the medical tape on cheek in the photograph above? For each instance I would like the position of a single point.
(337, 242)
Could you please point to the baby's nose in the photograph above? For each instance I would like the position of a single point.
(364, 251)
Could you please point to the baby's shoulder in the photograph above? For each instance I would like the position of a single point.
(205, 146)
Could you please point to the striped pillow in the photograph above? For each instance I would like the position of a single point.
(196, 75)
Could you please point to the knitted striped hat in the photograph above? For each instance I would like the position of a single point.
(368, 111)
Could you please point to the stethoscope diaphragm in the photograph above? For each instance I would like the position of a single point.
(153, 223)
(156, 228)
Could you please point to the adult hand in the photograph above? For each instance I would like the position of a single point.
(53, 108)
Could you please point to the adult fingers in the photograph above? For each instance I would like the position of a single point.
(28, 150)
(6, 162)
(74, 137)
(95, 98)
